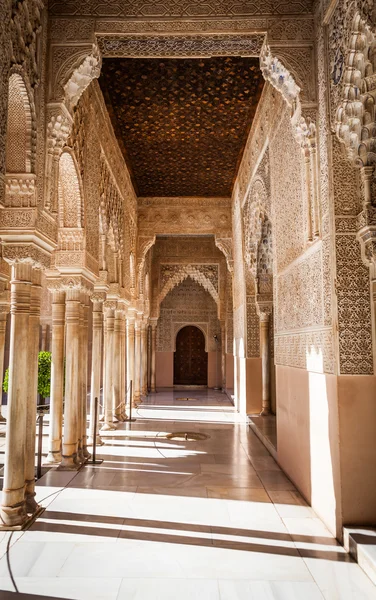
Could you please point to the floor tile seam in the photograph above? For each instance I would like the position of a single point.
(313, 577)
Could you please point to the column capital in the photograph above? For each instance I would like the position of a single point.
(27, 253)
(110, 305)
(98, 297)
(153, 323)
(264, 307)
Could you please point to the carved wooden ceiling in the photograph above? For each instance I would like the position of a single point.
(182, 123)
(178, 8)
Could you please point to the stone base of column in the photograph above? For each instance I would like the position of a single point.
(98, 441)
(69, 463)
(7, 515)
(2, 419)
(108, 427)
(266, 412)
(53, 458)
(153, 390)
(86, 453)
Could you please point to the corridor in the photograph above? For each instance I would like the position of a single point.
(213, 519)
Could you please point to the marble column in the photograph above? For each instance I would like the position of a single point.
(13, 505)
(123, 368)
(80, 420)
(137, 363)
(44, 337)
(108, 389)
(70, 459)
(130, 353)
(4, 310)
(265, 316)
(32, 391)
(149, 357)
(153, 387)
(85, 358)
(223, 356)
(96, 363)
(116, 364)
(57, 377)
(144, 359)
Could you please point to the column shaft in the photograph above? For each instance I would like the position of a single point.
(265, 357)
(4, 310)
(57, 377)
(144, 360)
(96, 365)
(85, 357)
(72, 380)
(116, 364)
(13, 509)
(80, 408)
(153, 358)
(109, 373)
(32, 391)
(137, 363)
(130, 353)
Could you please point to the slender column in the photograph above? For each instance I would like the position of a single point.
(96, 362)
(123, 371)
(84, 354)
(137, 363)
(72, 380)
(13, 508)
(80, 418)
(44, 331)
(32, 392)
(57, 377)
(130, 350)
(144, 359)
(149, 357)
(307, 162)
(264, 314)
(153, 357)
(116, 363)
(101, 404)
(4, 310)
(109, 308)
(223, 355)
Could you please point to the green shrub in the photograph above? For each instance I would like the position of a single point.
(44, 375)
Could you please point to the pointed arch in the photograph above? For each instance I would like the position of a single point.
(20, 138)
(194, 273)
(69, 193)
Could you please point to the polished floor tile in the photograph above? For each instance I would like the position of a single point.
(160, 518)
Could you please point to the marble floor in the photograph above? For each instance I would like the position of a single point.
(163, 519)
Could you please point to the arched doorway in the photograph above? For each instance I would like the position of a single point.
(190, 357)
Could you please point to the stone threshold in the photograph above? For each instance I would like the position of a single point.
(266, 430)
(360, 542)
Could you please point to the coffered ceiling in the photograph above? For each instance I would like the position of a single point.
(182, 124)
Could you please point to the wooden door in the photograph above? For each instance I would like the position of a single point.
(190, 358)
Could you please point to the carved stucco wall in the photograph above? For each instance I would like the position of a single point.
(352, 288)
(187, 304)
(174, 259)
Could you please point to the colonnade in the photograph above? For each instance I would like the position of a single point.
(120, 353)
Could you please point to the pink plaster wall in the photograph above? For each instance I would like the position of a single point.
(307, 439)
(357, 434)
(326, 432)
(164, 367)
(229, 372)
(212, 380)
(248, 385)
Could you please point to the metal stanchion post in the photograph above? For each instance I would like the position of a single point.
(40, 444)
(93, 461)
(130, 403)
